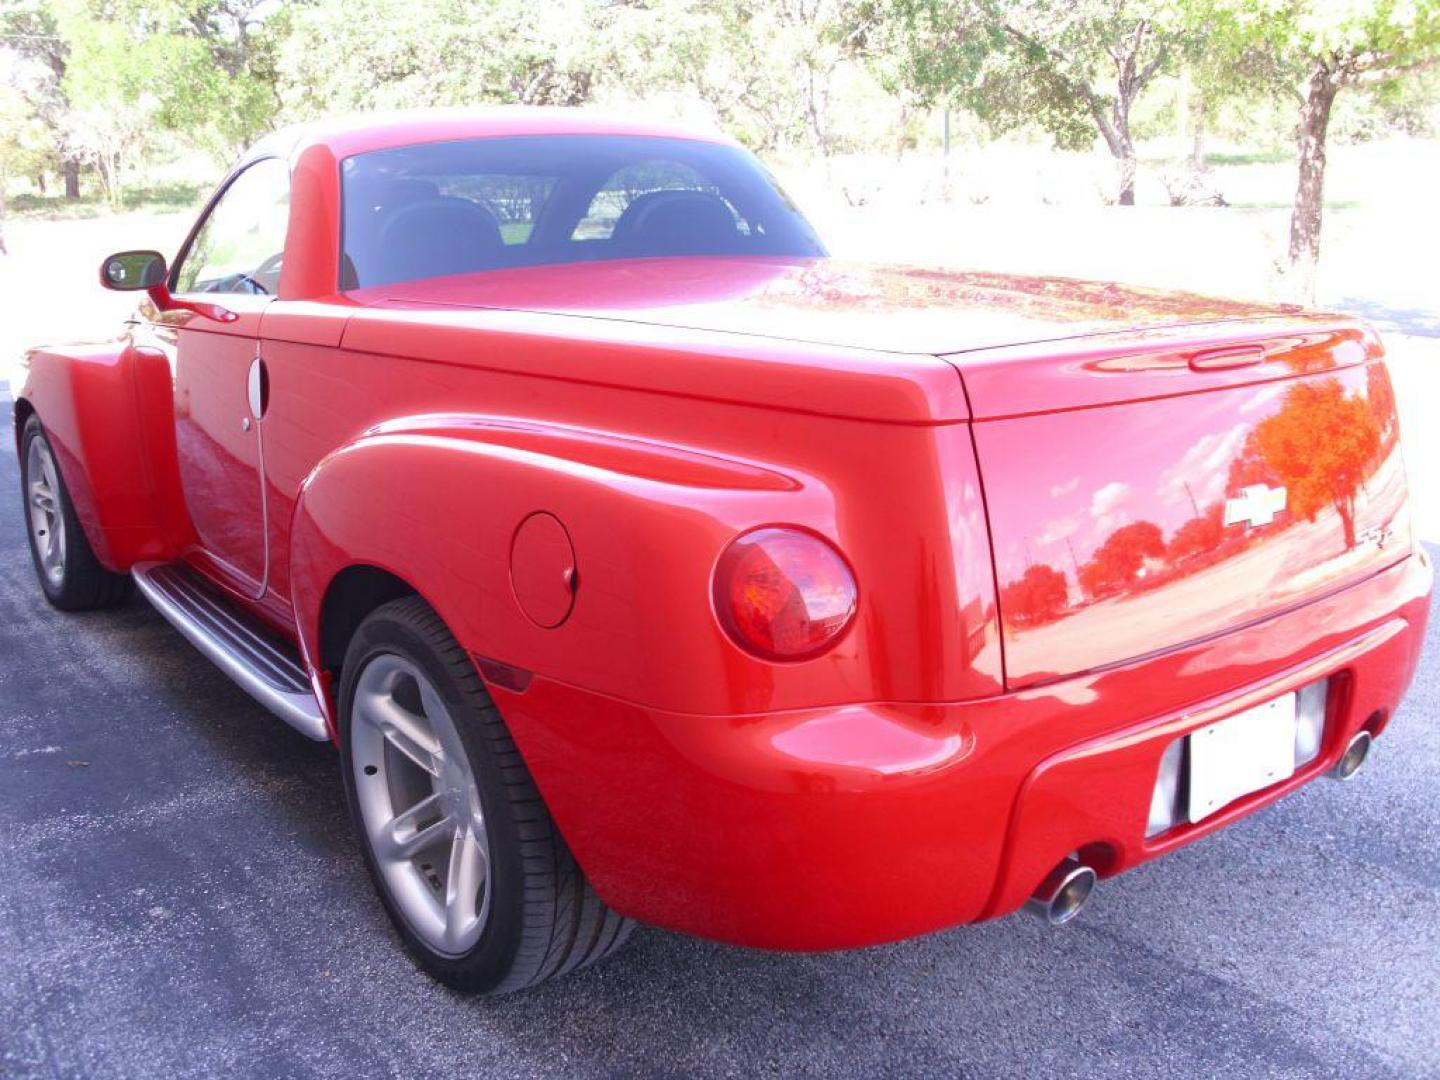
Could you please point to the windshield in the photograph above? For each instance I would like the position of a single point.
(487, 204)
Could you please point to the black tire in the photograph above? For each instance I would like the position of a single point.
(544, 918)
(84, 585)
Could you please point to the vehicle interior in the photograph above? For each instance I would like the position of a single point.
(487, 204)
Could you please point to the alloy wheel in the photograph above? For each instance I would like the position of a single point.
(47, 522)
(420, 804)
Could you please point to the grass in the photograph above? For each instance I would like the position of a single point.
(1330, 204)
(158, 197)
(1221, 158)
(1275, 156)
(516, 232)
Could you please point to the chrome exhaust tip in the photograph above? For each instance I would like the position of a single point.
(1063, 892)
(1353, 758)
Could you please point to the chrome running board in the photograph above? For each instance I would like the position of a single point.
(263, 667)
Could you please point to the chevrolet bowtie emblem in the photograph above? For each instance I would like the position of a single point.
(1255, 505)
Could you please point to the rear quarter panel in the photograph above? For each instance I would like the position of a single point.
(441, 457)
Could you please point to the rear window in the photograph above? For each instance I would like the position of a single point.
(633, 181)
(487, 204)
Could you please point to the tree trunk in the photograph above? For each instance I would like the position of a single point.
(1115, 130)
(1347, 520)
(1310, 190)
(1127, 176)
(72, 179)
(1131, 77)
(1197, 132)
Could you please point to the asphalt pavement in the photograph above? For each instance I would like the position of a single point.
(180, 895)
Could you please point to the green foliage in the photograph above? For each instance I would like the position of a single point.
(1407, 105)
(1072, 67)
(1310, 52)
(117, 85)
(25, 145)
(1046, 62)
(108, 78)
(1279, 43)
(105, 77)
(776, 74)
(36, 55)
(343, 55)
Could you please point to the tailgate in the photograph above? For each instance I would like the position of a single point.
(1193, 486)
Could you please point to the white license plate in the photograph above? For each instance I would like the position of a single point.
(1240, 754)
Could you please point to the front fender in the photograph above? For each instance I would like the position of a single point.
(437, 501)
(108, 411)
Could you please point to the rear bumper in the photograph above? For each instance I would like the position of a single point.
(853, 825)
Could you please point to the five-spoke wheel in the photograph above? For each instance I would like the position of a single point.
(72, 578)
(474, 873)
(47, 523)
(420, 804)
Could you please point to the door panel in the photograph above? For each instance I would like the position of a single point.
(232, 259)
(218, 442)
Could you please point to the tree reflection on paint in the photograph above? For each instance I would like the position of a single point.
(1040, 596)
(1321, 443)
(1117, 563)
(1319, 446)
(1198, 536)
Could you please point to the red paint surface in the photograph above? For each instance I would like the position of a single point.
(542, 570)
(1008, 683)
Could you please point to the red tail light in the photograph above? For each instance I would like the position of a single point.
(783, 594)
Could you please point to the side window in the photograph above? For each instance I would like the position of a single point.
(241, 243)
(633, 181)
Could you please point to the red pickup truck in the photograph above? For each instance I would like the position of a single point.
(644, 563)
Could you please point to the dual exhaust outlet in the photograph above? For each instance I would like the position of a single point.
(1067, 888)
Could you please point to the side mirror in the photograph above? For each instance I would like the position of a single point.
(131, 271)
(134, 271)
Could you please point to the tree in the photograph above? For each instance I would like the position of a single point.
(342, 56)
(1117, 562)
(104, 76)
(1075, 67)
(25, 148)
(1320, 445)
(1038, 597)
(1310, 52)
(1198, 535)
(30, 33)
(109, 79)
(769, 71)
(222, 75)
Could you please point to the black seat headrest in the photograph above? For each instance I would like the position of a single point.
(435, 238)
(677, 223)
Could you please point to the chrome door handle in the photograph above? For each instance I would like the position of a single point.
(257, 388)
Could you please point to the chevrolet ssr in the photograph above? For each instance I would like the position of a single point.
(646, 564)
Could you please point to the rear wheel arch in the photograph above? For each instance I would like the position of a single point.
(352, 595)
(23, 411)
(546, 919)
